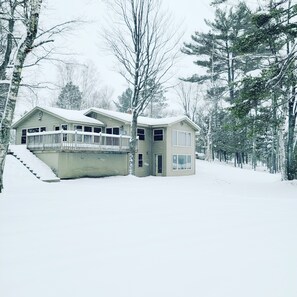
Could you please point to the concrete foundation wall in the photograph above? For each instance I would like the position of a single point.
(85, 164)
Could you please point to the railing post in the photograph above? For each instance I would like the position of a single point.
(61, 140)
(75, 139)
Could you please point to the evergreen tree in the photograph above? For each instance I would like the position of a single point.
(124, 101)
(70, 97)
(275, 29)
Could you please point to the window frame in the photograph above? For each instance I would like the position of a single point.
(158, 135)
(141, 136)
(177, 138)
(181, 166)
(140, 160)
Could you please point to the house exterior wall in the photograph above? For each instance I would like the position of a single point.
(179, 150)
(111, 123)
(37, 121)
(159, 148)
(145, 149)
(46, 120)
(85, 164)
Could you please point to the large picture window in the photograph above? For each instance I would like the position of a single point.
(181, 138)
(182, 162)
(158, 134)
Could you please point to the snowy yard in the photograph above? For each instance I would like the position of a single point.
(223, 232)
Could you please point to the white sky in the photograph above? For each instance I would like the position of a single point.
(85, 40)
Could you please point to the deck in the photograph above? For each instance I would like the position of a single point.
(65, 140)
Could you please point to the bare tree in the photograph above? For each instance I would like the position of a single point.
(189, 97)
(29, 19)
(87, 78)
(144, 42)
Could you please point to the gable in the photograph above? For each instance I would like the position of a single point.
(57, 115)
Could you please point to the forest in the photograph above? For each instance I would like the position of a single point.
(249, 82)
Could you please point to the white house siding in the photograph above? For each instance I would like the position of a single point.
(35, 121)
(180, 150)
(159, 148)
(144, 148)
(85, 164)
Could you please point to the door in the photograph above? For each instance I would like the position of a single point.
(159, 164)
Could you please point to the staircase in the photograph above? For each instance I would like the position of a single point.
(32, 163)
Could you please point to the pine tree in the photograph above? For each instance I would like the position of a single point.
(124, 101)
(275, 30)
(70, 97)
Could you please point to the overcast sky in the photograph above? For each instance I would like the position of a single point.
(85, 40)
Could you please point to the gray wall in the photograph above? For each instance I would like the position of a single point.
(85, 164)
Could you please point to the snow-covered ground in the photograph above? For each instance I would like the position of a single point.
(223, 232)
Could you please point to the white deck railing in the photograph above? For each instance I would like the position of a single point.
(77, 141)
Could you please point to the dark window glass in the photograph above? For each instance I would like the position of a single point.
(158, 135)
(97, 130)
(87, 129)
(140, 160)
(140, 134)
(42, 129)
(24, 136)
(116, 131)
(33, 130)
(160, 165)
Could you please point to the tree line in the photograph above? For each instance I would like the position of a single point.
(246, 63)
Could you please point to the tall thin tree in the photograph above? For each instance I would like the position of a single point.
(144, 42)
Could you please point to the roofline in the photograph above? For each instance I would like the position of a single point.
(184, 118)
(17, 123)
(92, 109)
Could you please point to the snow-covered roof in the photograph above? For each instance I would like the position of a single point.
(74, 116)
(144, 121)
(80, 116)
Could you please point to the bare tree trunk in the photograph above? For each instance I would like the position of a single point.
(22, 52)
(133, 144)
(209, 148)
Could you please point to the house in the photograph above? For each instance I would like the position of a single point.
(95, 142)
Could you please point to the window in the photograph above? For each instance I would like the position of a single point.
(158, 134)
(141, 134)
(97, 138)
(87, 138)
(24, 136)
(97, 130)
(42, 129)
(78, 136)
(113, 131)
(181, 162)
(64, 127)
(181, 138)
(140, 160)
(33, 130)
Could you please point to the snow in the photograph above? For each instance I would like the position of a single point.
(141, 120)
(41, 170)
(72, 115)
(222, 232)
(76, 116)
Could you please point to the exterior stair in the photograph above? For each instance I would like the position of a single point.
(32, 163)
